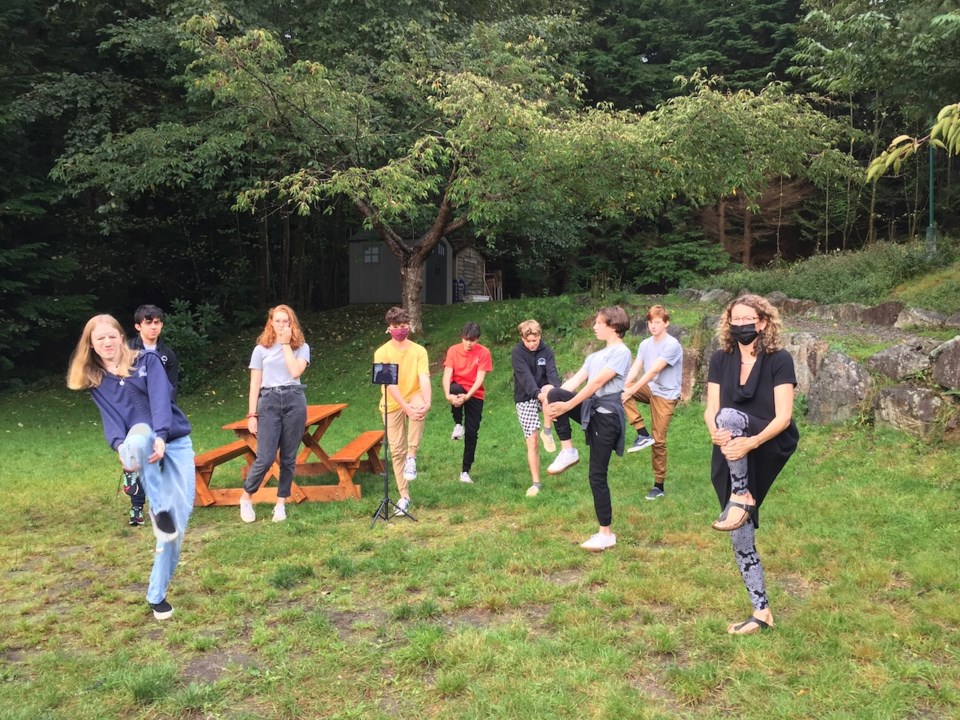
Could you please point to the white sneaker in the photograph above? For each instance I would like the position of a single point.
(465, 478)
(599, 542)
(279, 512)
(402, 506)
(568, 457)
(533, 490)
(457, 432)
(410, 469)
(247, 513)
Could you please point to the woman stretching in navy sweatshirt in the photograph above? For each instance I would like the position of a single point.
(142, 424)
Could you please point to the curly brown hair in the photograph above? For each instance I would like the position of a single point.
(770, 338)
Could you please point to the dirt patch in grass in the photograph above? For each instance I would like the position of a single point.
(346, 622)
(650, 686)
(797, 586)
(210, 667)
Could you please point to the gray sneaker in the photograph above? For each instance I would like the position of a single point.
(655, 493)
(642, 441)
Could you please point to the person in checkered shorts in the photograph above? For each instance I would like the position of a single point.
(534, 375)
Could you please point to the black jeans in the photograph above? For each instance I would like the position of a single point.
(282, 414)
(603, 434)
(473, 409)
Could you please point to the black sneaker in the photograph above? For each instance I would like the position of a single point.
(131, 483)
(164, 527)
(642, 441)
(136, 515)
(162, 610)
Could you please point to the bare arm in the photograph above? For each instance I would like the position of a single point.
(256, 378)
(649, 375)
(599, 380)
(445, 383)
(481, 374)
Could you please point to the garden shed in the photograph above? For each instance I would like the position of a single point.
(375, 272)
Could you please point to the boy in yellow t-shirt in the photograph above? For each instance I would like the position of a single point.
(407, 402)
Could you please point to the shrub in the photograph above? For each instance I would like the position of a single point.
(865, 276)
(187, 330)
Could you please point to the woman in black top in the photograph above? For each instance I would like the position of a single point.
(749, 413)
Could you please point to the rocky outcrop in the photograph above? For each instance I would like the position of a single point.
(721, 297)
(776, 298)
(912, 317)
(808, 354)
(883, 314)
(900, 361)
(838, 391)
(792, 306)
(914, 410)
(691, 361)
(946, 365)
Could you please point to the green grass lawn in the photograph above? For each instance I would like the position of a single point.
(486, 607)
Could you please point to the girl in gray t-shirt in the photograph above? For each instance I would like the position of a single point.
(277, 406)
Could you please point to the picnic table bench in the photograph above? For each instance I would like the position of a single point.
(312, 460)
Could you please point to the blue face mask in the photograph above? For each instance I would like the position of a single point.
(744, 334)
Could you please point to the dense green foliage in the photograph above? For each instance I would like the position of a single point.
(225, 152)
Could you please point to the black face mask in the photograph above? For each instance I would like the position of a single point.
(744, 334)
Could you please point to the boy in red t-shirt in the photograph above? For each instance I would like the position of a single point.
(464, 368)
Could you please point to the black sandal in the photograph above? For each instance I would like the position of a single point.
(749, 512)
(752, 620)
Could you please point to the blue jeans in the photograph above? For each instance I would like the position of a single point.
(282, 413)
(170, 486)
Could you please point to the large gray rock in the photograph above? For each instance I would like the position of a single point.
(899, 362)
(808, 354)
(850, 312)
(918, 317)
(690, 294)
(883, 314)
(776, 298)
(793, 306)
(717, 295)
(913, 410)
(823, 312)
(691, 364)
(946, 365)
(952, 322)
(711, 346)
(838, 391)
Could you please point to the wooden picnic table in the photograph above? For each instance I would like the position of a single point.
(312, 460)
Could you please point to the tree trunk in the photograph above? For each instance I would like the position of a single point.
(413, 257)
(747, 234)
(285, 289)
(264, 261)
(722, 223)
(411, 285)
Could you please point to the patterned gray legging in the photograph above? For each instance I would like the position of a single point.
(744, 538)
